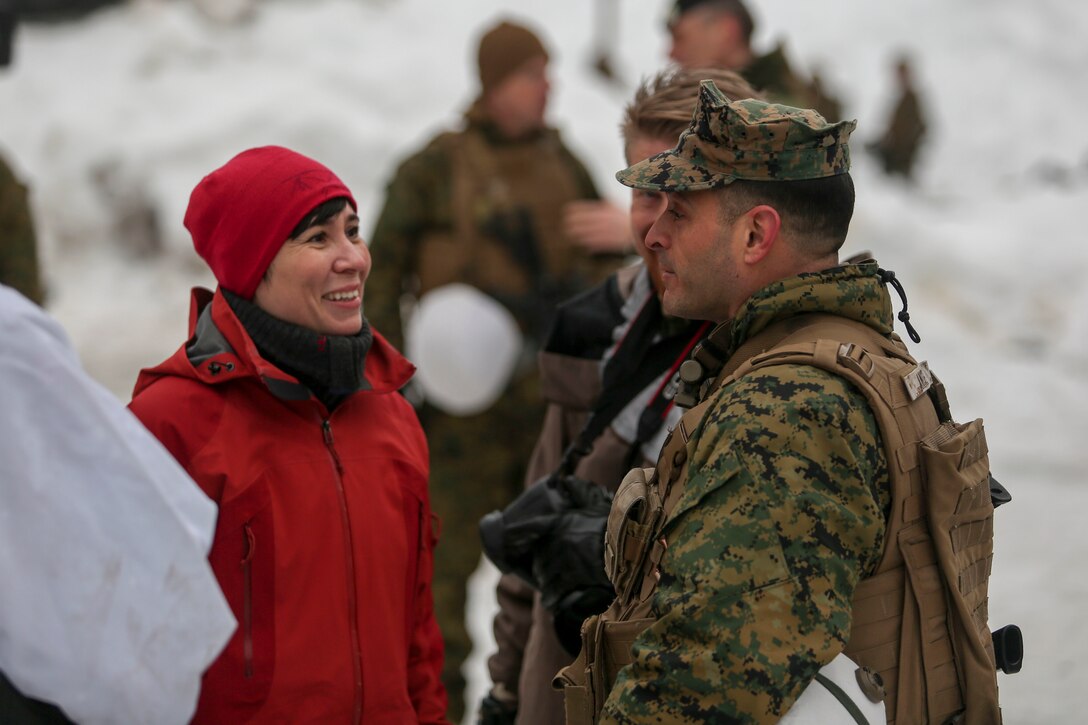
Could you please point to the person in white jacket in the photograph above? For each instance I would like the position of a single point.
(108, 607)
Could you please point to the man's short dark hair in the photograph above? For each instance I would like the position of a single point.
(815, 213)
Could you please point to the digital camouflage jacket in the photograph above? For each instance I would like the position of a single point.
(780, 512)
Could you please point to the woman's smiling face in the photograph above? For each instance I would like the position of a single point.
(316, 279)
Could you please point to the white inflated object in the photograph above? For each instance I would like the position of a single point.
(817, 706)
(108, 606)
(465, 345)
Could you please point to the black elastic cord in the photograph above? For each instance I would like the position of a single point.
(888, 277)
(844, 699)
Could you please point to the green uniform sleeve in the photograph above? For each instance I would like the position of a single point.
(417, 202)
(783, 512)
(18, 242)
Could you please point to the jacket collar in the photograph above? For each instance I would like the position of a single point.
(853, 291)
(219, 350)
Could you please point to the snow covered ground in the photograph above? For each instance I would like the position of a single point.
(124, 111)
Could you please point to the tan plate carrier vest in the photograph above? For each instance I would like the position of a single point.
(920, 619)
(495, 178)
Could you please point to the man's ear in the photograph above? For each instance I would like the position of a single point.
(762, 224)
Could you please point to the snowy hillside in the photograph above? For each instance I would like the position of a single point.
(113, 119)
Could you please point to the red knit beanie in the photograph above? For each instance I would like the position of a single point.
(241, 214)
(503, 49)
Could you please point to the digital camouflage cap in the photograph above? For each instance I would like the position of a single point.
(745, 139)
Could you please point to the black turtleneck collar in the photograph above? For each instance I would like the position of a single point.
(331, 366)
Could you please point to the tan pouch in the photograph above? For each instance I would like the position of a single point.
(960, 513)
(586, 682)
(576, 679)
(616, 641)
(629, 523)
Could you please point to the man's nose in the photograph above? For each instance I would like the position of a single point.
(657, 237)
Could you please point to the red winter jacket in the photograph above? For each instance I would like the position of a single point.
(324, 542)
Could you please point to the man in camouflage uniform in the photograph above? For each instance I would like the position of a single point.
(483, 206)
(718, 33)
(776, 488)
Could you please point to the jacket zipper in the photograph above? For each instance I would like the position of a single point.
(357, 659)
(247, 599)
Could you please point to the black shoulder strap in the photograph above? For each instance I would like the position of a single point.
(634, 365)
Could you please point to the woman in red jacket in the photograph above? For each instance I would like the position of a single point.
(283, 406)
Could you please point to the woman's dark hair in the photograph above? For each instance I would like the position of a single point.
(319, 215)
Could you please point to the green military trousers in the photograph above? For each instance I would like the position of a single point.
(478, 465)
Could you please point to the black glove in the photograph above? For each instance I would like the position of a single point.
(576, 608)
(494, 712)
(512, 536)
(571, 557)
(552, 536)
(569, 565)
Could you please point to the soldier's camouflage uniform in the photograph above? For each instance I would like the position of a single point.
(477, 208)
(818, 498)
(782, 512)
(18, 244)
(783, 492)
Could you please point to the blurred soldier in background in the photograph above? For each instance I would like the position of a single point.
(586, 371)
(897, 149)
(718, 33)
(483, 206)
(18, 244)
(708, 34)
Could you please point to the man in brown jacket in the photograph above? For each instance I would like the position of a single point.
(602, 338)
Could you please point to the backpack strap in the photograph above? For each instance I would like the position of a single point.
(879, 367)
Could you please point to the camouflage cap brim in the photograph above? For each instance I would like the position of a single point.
(669, 171)
(745, 139)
